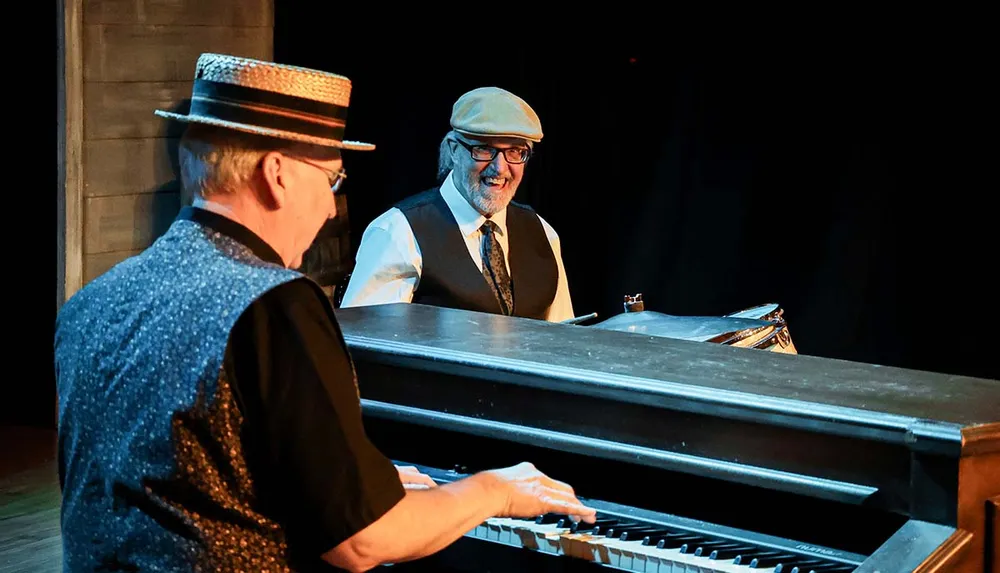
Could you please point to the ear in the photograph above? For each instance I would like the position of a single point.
(453, 146)
(275, 171)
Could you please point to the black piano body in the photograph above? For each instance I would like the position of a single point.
(897, 469)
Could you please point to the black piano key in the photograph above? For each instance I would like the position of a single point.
(594, 530)
(765, 559)
(641, 534)
(745, 557)
(549, 518)
(796, 564)
(670, 541)
(705, 549)
(729, 552)
(693, 548)
(661, 532)
(617, 530)
(600, 522)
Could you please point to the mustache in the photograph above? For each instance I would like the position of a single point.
(494, 175)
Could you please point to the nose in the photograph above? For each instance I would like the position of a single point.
(499, 163)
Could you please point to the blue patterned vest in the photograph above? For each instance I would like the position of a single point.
(153, 472)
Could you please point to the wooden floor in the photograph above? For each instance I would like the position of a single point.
(29, 501)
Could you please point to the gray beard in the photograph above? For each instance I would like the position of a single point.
(484, 203)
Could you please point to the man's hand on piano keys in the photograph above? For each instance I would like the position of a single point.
(531, 493)
(413, 479)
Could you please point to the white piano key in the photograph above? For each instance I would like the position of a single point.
(583, 546)
(541, 537)
(612, 552)
(632, 555)
(500, 529)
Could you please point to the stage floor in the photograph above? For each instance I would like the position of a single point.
(29, 501)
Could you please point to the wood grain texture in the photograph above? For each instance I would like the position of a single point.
(97, 264)
(142, 53)
(125, 109)
(245, 13)
(993, 536)
(128, 166)
(127, 222)
(71, 195)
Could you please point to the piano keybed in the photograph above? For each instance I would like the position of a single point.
(633, 539)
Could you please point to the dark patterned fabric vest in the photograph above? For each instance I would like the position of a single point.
(451, 279)
(154, 476)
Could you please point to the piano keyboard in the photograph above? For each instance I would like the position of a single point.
(633, 539)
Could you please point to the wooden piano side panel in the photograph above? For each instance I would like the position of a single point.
(993, 537)
(978, 492)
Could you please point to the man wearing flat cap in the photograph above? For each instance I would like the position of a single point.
(209, 415)
(465, 243)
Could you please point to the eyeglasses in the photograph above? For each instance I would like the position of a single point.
(336, 178)
(515, 155)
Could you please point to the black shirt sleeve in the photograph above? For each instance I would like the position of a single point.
(315, 468)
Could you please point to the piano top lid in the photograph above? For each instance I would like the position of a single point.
(495, 340)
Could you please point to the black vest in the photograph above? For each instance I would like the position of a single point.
(451, 279)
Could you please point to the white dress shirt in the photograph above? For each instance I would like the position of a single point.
(388, 262)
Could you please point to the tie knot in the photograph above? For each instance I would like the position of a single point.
(489, 227)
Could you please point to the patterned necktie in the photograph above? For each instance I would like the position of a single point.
(494, 269)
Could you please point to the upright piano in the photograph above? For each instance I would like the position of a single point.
(697, 456)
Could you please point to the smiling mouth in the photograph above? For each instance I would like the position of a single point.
(494, 181)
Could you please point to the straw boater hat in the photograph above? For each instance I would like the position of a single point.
(275, 100)
(495, 112)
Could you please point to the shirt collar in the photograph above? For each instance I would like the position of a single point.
(468, 218)
(234, 230)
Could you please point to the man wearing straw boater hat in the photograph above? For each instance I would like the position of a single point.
(465, 243)
(209, 416)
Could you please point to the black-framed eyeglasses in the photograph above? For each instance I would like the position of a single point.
(515, 155)
(336, 178)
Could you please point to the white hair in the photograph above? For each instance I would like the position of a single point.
(222, 161)
(445, 161)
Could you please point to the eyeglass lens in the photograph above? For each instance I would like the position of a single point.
(511, 154)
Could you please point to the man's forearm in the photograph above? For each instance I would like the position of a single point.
(422, 523)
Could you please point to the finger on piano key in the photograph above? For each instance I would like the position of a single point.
(601, 522)
(543, 537)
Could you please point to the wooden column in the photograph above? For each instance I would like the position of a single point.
(123, 59)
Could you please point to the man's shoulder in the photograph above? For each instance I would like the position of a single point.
(295, 293)
(522, 206)
(98, 292)
(529, 213)
(416, 200)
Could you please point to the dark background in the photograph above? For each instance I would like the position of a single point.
(845, 178)
(848, 178)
